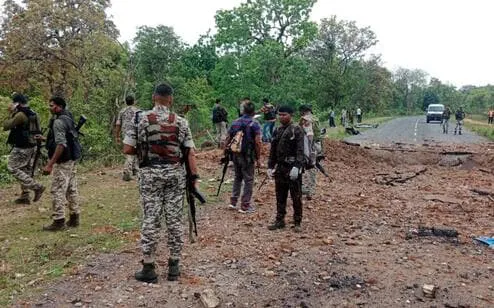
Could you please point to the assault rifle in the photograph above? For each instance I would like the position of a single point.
(37, 154)
(80, 123)
(225, 160)
(191, 194)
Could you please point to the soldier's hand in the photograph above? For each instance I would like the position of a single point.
(47, 169)
(39, 137)
(118, 140)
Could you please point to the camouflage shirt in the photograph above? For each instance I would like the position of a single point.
(126, 117)
(162, 114)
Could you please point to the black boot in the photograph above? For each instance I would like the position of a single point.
(23, 199)
(147, 274)
(56, 225)
(73, 220)
(173, 269)
(38, 193)
(278, 224)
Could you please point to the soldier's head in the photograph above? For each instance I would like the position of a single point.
(18, 98)
(218, 101)
(305, 109)
(129, 100)
(163, 95)
(285, 115)
(57, 104)
(265, 101)
(249, 108)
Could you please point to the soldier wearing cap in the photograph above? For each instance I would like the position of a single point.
(23, 141)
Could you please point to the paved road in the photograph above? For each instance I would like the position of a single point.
(414, 130)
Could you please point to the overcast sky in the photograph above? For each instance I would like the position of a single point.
(452, 40)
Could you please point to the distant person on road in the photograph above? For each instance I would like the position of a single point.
(359, 115)
(459, 115)
(490, 115)
(445, 119)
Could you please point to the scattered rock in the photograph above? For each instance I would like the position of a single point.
(209, 299)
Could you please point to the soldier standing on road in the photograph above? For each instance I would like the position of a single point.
(123, 124)
(490, 116)
(445, 119)
(359, 115)
(165, 142)
(286, 159)
(24, 142)
(63, 152)
(459, 116)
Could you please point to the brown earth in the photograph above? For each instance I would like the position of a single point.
(356, 249)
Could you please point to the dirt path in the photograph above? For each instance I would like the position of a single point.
(354, 250)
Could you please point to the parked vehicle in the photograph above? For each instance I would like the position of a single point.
(435, 112)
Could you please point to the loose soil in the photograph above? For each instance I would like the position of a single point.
(356, 248)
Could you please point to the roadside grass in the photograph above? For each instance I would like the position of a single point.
(109, 221)
(339, 133)
(478, 124)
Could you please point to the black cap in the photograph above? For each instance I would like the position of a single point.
(19, 98)
(286, 109)
(304, 108)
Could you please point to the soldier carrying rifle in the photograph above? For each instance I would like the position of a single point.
(24, 127)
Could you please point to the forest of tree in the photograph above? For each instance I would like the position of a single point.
(262, 48)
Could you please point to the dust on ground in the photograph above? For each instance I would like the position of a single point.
(355, 250)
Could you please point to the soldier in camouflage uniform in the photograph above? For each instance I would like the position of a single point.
(285, 163)
(63, 154)
(311, 128)
(123, 124)
(21, 158)
(163, 141)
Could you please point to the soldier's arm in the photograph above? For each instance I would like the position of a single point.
(299, 136)
(18, 119)
(272, 160)
(130, 139)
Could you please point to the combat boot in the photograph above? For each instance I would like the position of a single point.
(126, 177)
(297, 228)
(147, 274)
(56, 225)
(23, 199)
(73, 220)
(173, 269)
(38, 193)
(278, 224)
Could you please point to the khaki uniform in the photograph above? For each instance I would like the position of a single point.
(20, 161)
(124, 119)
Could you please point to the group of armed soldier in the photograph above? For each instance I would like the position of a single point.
(160, 143)
(459, 117)
(25, 138)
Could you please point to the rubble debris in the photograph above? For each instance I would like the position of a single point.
(209, 299)
(429, 290)
(397, 177)
(432, 231)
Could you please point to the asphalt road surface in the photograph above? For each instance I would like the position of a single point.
(414, 130)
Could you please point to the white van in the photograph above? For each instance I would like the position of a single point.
(435, 112)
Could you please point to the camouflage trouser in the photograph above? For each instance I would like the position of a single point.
(131, 164)
(162, 190)
(459, 124)
(20, 165)
(309, 182)
(220, 132)
(64, 189)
